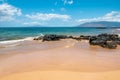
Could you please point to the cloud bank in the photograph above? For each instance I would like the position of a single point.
(70, 2)
(8, 12)
(14, 15)
(48, 17)
(113, 16)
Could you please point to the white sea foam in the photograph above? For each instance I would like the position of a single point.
(16, 41)
(20, 40)
(40, 34)
(119, 35)
(118, 29)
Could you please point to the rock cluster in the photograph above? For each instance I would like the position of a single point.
(54, 37)
(38, 38)
(105, 40)
(85, 37)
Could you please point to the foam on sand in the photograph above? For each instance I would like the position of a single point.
(15, 41)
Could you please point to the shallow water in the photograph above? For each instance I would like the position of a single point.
(13, 33)
(26, 55)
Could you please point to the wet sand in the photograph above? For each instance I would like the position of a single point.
(59, 60)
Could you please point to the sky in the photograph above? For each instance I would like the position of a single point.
(57, 13)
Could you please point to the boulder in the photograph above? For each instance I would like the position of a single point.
(53, 37)
(110, 45)
(108, 36)
(97, 42)
(77, 38)
(38, 38)
(105, 40)
(85, 37)
(70, 37)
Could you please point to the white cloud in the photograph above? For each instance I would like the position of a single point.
(48, 17)
(32, 23)
(8, 12)
(70, 2)
(112, 16)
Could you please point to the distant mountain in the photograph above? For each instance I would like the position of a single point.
(100, 24)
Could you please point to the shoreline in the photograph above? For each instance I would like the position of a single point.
(67, 56)
(107, 40)
(65, 59)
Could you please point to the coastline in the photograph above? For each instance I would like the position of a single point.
(51, 60)
(60, 40)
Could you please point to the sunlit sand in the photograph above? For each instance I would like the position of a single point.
(59, 60)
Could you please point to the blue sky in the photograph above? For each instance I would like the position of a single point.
(57, 12)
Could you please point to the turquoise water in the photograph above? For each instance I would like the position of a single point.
(23, 32)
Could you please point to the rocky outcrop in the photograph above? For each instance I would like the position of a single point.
(105, 40)
(53, 37)
(38, 38)
(85, 37)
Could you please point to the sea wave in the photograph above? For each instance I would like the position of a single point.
(16, 41)
(40, 34)
(19, 40)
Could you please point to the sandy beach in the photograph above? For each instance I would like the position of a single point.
(59, 39)
(58, 60)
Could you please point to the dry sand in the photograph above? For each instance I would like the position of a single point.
(59, 60)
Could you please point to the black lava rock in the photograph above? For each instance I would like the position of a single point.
(85, 37)
(53, 37)
(105, 40)
(110, 45)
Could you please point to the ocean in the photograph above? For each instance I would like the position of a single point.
(16, 33)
